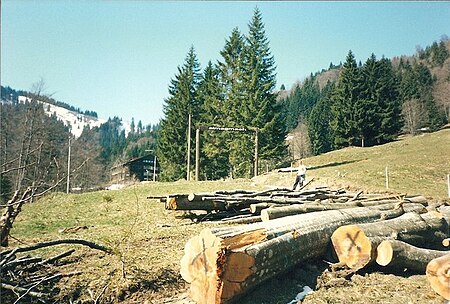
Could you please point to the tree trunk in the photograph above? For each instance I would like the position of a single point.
(400, 255)
(355, 245)
(13, 208)
(223, 263)
(438, 275)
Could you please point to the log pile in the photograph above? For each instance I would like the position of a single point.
(242, 206)
(27, 278)
(224, 262)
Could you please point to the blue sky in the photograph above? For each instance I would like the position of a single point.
(117, 57)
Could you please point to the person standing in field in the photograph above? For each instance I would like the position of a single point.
(301, 175)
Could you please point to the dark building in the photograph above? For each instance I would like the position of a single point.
(142, 169)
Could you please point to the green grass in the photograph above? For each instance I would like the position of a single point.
(416, 165)
(148, 241)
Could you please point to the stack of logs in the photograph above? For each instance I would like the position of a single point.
(223, 263)
(242, 206)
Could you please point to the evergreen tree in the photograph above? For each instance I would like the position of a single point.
(132, 126)
(231, 75)
(234, 109)
(293, 108)
(368, 107)
(214, 158)
(388, 103)
(139, 127)
(319, 122)
(345, 105)
(172, 147)
(310, 96)
(260, 109)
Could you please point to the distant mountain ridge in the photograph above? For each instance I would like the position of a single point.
(72, 117)
(76, 121)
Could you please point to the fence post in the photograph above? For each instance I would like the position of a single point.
(387, 178)
(448, 184)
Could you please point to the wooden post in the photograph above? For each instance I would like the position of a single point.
(197, 152)
(154, 168)
(256, 153)
(68, 170)
(387, 178)
(448, 184)
(188, 169)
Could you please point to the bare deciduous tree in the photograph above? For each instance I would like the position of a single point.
(414, 114)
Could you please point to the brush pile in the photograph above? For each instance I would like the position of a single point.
(26, 277)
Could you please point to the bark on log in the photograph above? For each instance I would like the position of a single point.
(400, 255)
(223, 263)
(243, 220)
(438, 275)
(277, 212)
(257, 208)
(181, 202)
(355, 245)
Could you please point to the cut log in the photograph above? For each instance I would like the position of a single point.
(257, 208)
(243, 220)
(223, 263)
(400, 255)
(355, 245)
(277, 211)
(438, 275)
(181, 202)
(446, 242)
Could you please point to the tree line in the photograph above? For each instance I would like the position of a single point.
(34, 147)
(350, 104)
(238, 91)
(12, 95)
(368, 104)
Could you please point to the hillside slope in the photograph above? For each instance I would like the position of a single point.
(417, 164)
(148, 241)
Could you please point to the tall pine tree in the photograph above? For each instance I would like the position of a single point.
(319, 122)
(388, 100)
(233, 110)
(213, 158)
(346, 103)
(261, 109)
(172, 146)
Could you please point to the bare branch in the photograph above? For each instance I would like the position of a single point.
(59, 242)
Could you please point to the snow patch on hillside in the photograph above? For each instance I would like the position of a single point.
(75, 121)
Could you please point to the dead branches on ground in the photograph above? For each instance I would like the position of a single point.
(26, 276)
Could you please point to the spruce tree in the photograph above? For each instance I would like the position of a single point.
(319, 122)
(261, 109)
(213, 157)
(293, 108)
(345, 102)
(231, 75)
(388, 103)
(368, 107)
(233, 110)
(172, 146)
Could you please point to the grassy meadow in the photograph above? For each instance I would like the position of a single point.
(416, 165)
(148, 241)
